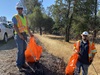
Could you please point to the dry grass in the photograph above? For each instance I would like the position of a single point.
(56, 46)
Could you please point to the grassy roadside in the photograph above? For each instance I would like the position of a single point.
(56, 46)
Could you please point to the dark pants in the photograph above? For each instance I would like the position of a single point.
(84, 67)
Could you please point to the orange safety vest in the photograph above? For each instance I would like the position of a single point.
(21, 23)
(91, 51)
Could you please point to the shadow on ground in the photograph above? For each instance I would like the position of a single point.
(9, 45)
(56, 37)
(40, 69)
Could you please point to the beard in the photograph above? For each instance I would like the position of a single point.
(85, 39)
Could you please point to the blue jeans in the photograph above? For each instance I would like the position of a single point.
(21, 45)
(78, 68)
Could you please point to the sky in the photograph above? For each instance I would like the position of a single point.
(47, 3)
(7, 7)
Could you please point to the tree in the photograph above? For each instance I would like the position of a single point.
(81, 17)
(69, 18)
(54, 11)
(47, 24)
(62, 13)
(36, 19)
(95, 20)
(31, 4)
(85, 17)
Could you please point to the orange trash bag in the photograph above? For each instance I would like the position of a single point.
(71, 64)
(33, 51)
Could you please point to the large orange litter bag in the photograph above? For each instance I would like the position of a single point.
(71, 64)
(33, 51)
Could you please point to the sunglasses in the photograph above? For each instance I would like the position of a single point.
(85, 35)
(20, 8)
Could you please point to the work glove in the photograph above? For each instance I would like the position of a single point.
(91, 60)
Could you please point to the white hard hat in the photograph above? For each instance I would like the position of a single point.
(19, 5)
(85, 33)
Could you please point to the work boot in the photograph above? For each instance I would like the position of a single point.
(21, 69)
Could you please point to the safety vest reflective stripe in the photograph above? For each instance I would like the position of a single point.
(90, 55)
(22, 23)
(94, 51)
(23, 20)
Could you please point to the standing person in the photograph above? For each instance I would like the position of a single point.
(86, 51)
(21, 30)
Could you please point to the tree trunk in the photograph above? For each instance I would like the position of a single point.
(40, 31)
(94, 35)
(66, 34)
(68, 27)
(94, 31)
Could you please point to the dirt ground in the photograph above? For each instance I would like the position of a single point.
(50, 64)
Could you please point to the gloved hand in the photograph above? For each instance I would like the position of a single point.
(31, 35)
(91, 60)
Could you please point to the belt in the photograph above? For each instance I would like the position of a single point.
(23, 33)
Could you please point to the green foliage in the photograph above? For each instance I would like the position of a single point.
(84, 16)
(47, 24)
(65, 17)
(57, 11)
(36, 18)
(31, 4)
